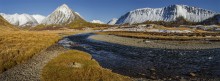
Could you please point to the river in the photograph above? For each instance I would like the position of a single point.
(151, 63)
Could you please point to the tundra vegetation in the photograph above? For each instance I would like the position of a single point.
(19, 46)
(78, 66)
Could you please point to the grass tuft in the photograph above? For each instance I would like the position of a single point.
(62, 69)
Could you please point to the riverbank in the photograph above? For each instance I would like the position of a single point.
(163, 44)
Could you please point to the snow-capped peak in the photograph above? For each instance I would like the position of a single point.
(112, 21)
(63, 6)
(64, 9)
(97, 21)
(169, 13)
(62, 15)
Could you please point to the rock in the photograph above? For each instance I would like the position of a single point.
(170, 79)
(153, 77)
(182, 79)
(152, 69)
(143, 74)
(75, 65)
(177, 76)
(193, 74)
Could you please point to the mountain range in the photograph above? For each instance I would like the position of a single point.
(169, 13)
(23, 19)
(63, 15)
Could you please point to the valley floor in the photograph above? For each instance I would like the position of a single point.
(32, 68)
(52, 61)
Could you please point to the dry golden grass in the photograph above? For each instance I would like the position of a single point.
(62, 69)
(19, 46)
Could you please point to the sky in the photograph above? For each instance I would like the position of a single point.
(103, 10)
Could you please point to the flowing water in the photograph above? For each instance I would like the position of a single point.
(151, 63)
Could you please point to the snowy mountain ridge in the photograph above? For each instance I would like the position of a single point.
(22, 19)
(169, 13)
(62, 15)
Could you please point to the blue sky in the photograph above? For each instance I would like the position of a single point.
(103, 10)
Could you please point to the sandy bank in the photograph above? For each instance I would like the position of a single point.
(157, 43)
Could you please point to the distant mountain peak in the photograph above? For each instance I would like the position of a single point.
(62, 15)
(64, 9)
(64, 5)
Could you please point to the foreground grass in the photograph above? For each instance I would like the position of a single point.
(78, 66)
(19, 46)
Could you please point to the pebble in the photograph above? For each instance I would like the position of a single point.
(193, 74)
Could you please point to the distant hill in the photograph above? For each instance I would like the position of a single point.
(78, 24)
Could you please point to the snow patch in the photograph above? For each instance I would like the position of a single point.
(97, 21)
